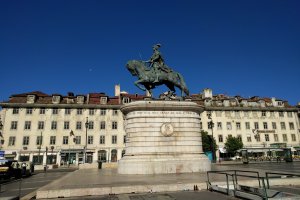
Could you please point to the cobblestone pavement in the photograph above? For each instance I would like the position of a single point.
(182, 195)
(106, 178)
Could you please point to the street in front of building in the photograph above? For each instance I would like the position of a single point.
(29, 185)
(26, 185)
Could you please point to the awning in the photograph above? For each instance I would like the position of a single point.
(293, 149)
(10, 154)
(256, 150)
(63, 151)
(222, 150)
(262, 150)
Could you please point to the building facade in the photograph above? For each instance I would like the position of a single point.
(57, 129)
(258, 122)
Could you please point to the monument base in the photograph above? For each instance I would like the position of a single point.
(164, 164)
(163, 137)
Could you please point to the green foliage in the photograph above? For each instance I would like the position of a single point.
(233, 144)
(207, 142)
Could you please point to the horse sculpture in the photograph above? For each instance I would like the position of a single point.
(146, 78)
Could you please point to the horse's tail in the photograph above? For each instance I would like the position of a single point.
(183, 85)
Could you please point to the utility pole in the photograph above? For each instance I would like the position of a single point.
(1, 135)
(85, 147)
(41, 140)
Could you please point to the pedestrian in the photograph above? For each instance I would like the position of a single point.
(23, 168)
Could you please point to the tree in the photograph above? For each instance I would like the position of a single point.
(207, 142)
(233, 144)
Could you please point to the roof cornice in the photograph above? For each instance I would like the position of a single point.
(35, 105)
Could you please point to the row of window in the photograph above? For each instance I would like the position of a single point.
(79, 111)
(254, 113)
(267, 138)
(65, 141)
(256, 125)
(66, 125)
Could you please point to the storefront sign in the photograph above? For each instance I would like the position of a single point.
(265, 131)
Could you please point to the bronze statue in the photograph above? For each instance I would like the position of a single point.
(157, 62)
(157, 73)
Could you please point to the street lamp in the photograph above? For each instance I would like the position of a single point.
(46, 166)
(1, 125)
(41, 140)
(85, 148)
(211, 125)
(52, 147)
(69, 157)
(1, 136)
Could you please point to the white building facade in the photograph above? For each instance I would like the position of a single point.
(258, 122)
(57, 129)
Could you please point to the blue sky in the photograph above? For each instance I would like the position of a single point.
(247, 48)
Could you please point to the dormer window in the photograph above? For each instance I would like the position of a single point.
(226, 103)
(207, 102)
(126, 100)
(30, 98)
(233, 103)
(244, 103)
(56, 99)
(69, 100)
(279, 103)
(103, 100)
(80, 99)
(262, 103)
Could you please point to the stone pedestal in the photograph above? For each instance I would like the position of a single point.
(163, 137)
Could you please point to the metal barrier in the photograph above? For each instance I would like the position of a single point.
(216, 188)
(237, 190)
(263, 190)
(281, 175)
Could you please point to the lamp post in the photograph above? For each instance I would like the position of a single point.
(211, 125)
(46, 159)
(40, 148)
(85, 147)
(69, 157)
(1, 125)
(1, 136)
(52, 147)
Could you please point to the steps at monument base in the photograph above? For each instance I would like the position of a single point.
(98, 191)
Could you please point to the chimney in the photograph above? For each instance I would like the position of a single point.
(117, 90)
(207, 93)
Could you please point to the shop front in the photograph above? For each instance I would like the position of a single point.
(71, 156)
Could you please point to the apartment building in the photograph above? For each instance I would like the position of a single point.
(57, 129)
(60, 129)
(258, 122)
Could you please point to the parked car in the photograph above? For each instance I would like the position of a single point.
(15, 169)
(9, 169)
(236, 158)
(27, 168)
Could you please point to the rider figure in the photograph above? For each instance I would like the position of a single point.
(157, 62)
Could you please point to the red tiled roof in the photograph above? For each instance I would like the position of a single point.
(37, 93)
(94, 98)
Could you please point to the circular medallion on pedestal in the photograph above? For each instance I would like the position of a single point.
(167, 129)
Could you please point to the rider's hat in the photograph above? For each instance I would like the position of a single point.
(157, 45)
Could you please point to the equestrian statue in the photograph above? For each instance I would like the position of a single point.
(155, 72)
